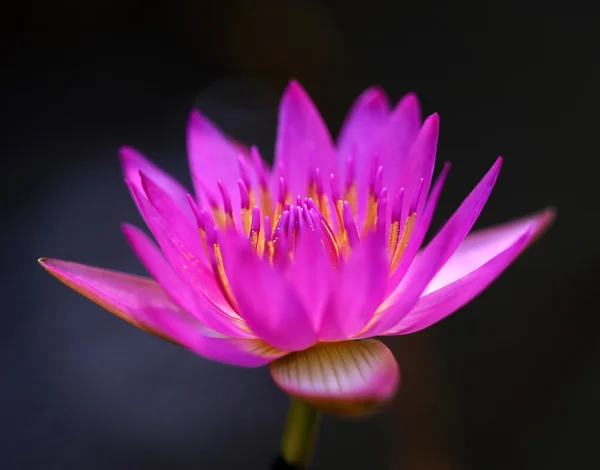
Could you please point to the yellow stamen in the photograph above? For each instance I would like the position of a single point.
(339, 210)
(246, 220)
(279, 210)
(266, 204)
(203, 241)
(342, 238)
(254, 240)
(351, 195)
(394, 237)
(219, 216)
(260, 244)
(406, 233)
(323, 204)
(229, 221)
(269, 250)
(251, 198)
(312, 192)
(222, 278)
(371, 218)
(330, 243)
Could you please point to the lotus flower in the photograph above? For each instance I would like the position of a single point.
(302, 265)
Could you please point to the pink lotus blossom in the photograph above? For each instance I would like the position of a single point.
(299, 266)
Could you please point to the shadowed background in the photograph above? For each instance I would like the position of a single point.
(510, 382)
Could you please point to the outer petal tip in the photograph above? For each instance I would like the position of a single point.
(51, 265)
(431, 127)
(492, 175)
(194, 116)
(294, 87)
(374, 95)
(130, 159)
(545, 220)
(125, 151)
(411, 96)
(433, 120)
(547, 215)
(295, 95)
(43, 262)
(410, 101)
(198, 123)
(349, 378)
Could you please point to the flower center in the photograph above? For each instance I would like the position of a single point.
(273, 224)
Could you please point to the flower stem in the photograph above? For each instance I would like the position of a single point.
(299, 434)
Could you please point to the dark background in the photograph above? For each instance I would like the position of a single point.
(512, 381)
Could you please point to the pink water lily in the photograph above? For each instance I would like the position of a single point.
(299, 266)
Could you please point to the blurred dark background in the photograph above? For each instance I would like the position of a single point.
(512, 381)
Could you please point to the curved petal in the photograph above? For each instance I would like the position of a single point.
(419, 163)
(365, 120)
(311, 275)
(464, 217)
(141, 302)
(188, 298)
(212, 158)
(396, 139)
(244, 352)
(173, 216)
(133, 162)
(266, 301)
(420, 230)
(236, 352)
(184, 260)
(158, 267)
(138, 300)
(483, 245)
(358, 290)
(303, 141)
(479, 260)
(348, 378)
(433, 257)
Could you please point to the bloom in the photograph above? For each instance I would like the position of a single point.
(302, 265)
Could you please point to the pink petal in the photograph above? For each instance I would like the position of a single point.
(173, 216)
(189, 299)
(479, 260)
(137, 300)
(141, 302)
(419, 232)
(366, 119)
(242, 352)
(396, 139)
(158, 267)
(133, 162)
(348, 378)
(358, 290)
(212, 158)
(483, 245)
(184, 260)
(419, 163)
(303, 141)
(433, 257)
(311, 275)
(266, 301)
(237, 352)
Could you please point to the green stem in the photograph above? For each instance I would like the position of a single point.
(299, 434)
